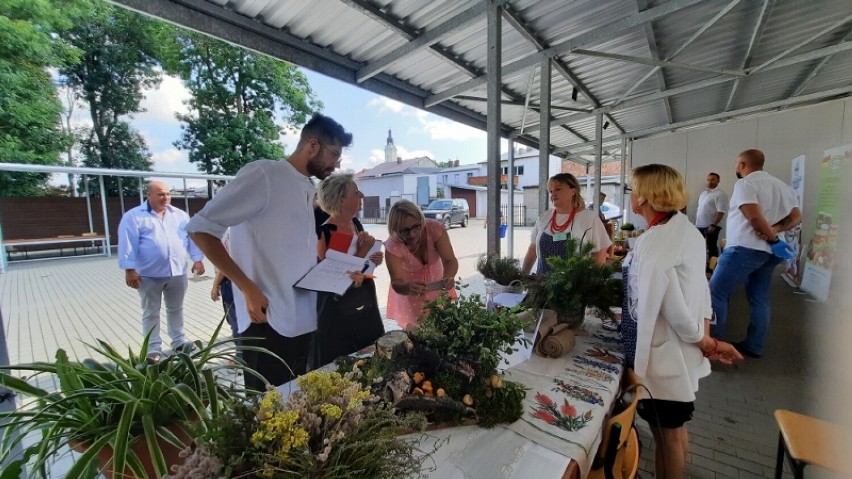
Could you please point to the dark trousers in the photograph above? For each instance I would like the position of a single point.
(294, 352)
(226, 291)
(712, 241)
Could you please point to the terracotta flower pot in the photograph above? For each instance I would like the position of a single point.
(140, 447)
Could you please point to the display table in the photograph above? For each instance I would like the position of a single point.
(552, 439)
(568, 400)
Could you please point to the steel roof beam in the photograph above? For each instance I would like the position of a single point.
(753, 41)
(427, 39)
(817, 68)
(595, 35)
(642, 5)
(521, 103)
(661, 79)
(804, 42)
(711, 118)
(527, 32)
(661, 63)
(647, 98)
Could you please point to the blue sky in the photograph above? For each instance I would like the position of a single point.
(367, 115)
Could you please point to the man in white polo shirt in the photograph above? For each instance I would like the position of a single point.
(762, 206)
(273, 243)
(712, 205)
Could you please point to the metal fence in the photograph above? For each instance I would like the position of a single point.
(379, 215)
(518, 215)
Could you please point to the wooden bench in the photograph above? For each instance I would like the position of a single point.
(94, 238)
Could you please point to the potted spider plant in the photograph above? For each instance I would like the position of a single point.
(575, 282)
(128, 415)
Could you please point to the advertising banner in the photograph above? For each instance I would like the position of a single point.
(835, 170)
(793, 237)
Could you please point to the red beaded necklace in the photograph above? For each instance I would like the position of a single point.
(557, 228)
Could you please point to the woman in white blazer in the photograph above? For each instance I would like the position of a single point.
(665, 323)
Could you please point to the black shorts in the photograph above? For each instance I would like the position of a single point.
(667, 414)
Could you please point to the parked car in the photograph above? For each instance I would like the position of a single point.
(449, 211)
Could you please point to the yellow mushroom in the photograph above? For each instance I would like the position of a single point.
(467, 400)
(496, 381)
(426, 386)
(419, 377)
(417, 391)
(440, 393)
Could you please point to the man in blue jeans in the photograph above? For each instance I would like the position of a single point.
(761, 207)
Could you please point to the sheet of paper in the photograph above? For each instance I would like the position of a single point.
(509, 300)
(331, 274)
(377, 248)
(529, 349)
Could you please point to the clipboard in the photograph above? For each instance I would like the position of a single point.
(331, 274)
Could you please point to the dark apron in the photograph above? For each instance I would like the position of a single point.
(547, 247)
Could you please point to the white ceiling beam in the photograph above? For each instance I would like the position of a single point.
(816, 69)
(802, 43)
(427, 39)
(712, 118)
(753, 41)
(661, 63)
(593, 36)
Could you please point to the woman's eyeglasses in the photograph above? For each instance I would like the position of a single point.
(410, 230)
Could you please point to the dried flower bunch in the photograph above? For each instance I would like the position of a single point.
(331, 428)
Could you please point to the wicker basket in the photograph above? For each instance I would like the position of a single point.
(514, 287)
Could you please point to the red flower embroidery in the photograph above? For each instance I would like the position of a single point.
(543, 399)
(545, 416)
(567, 409)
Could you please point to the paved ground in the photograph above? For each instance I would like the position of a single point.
(66, 302)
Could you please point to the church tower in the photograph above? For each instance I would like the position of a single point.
(390, 150)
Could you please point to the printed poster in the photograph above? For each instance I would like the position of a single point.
(835, 169)
(793, 237)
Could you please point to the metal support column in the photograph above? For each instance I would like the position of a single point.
(88, 203)
(141, 187)
(107, 249)
(185, 197)
(510, 206)
(121, 194)
(596, 196)
(622, 181)
(544, 135)
(493, 122)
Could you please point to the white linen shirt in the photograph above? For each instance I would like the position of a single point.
(586, 225)
(154, 247)
(669, 301)
(269, 208)
(775, 198)
(710, 202)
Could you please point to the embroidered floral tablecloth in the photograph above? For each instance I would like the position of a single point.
(569, 398)
(565, 408)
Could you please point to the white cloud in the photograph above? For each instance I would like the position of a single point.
(386, 104)
(378, 156)
(162, 103)
(440, 129)
(167, 160)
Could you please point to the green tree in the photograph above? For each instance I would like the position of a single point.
(29, 107)
(235, 97)
(119, 53)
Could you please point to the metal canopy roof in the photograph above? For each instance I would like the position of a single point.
(649, 66)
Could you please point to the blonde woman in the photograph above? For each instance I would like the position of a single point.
(665, 325)
(569, 218)
(420, 260)
(352, 321)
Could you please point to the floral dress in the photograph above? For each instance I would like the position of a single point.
(405, 309)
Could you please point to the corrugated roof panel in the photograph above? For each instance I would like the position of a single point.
(344, 30)
(835, 74)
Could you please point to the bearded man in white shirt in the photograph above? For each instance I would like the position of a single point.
(762, 206)
(712, 205)
(273, 243)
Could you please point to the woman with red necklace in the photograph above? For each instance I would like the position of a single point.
(569, 218)
(665, 323)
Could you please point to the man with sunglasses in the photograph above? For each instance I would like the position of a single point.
(269, 208)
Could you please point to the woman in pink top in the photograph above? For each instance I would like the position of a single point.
(420, 260)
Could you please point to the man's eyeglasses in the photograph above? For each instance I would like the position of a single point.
(410, 230)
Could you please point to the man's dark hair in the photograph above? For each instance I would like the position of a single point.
(714, 174)
(326, 130)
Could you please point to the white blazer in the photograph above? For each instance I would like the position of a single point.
(672, 299)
